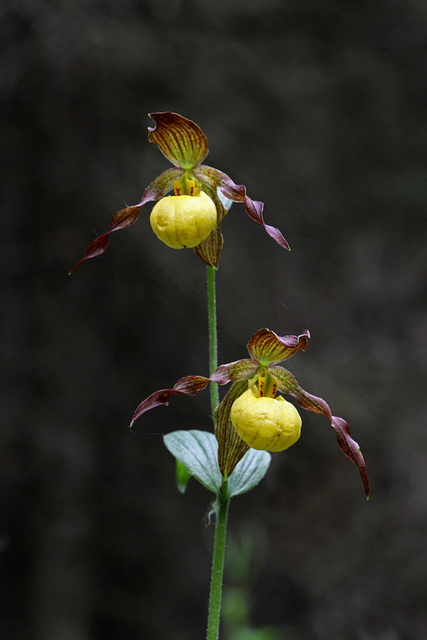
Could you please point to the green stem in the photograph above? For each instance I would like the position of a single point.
(218, 564)
(222, 499)
(213, 341)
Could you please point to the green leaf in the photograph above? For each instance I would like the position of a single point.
(248, 472)
(197, 451)
(182, 476)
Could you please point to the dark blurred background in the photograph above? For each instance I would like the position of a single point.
(319, 108)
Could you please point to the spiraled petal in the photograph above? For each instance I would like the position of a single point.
(128, 216)
(288, 384)
(122, 219)
(237, 193)
(189, 385)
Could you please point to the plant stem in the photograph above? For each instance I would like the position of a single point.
(222, 501)
(218, 564)
(213, 340)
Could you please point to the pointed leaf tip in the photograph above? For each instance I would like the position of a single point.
(249, 471)
(180, 140)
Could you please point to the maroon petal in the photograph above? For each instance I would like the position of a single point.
(254, 209)
(350, 448)
(126, 217)
(188, 385)
(267, 347)
(237, 193)
(234, 371)
(288, 384)
(122, 219)
(179, 139)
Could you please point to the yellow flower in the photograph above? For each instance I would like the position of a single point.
(264, 422)
(249, 415)
(185, 145)
(183, 220)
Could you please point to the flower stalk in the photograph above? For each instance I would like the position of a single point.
(213, 335)
(222, 501)
(222, 504)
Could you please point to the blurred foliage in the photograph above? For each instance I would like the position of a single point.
(319, 108)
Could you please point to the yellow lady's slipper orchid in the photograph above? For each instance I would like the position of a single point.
(183, 220)
(249, 415)
(185, 145)
(265, 422)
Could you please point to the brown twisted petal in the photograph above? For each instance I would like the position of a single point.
(122, 219)
(237, 193)
(288, 384)
(189, 385)
(128, 216)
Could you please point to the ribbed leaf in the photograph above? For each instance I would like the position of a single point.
(197, 451)
(248, 472)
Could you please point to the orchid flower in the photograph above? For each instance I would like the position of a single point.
(259, 378)
(185, 145)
